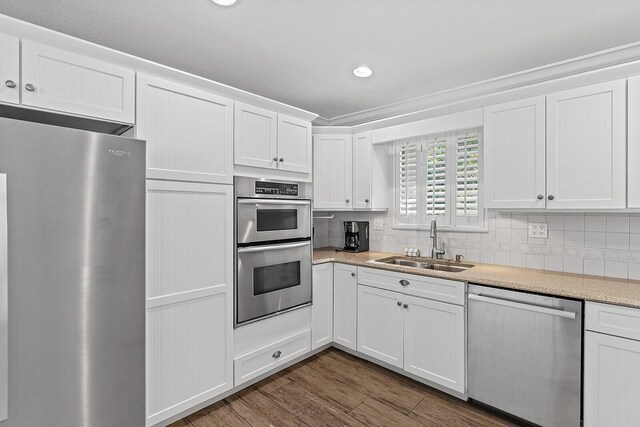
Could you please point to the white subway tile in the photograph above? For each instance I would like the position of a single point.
(573, 265)
(595, 239)
(555, 222)
(487, 256)
(555, 237)
(574, 222)
(634, 242)
(594, 267)
(537, 218)
(634, 223)
(615, 269)
(553, 263)
(595, 223)
(519, 221)
(501, 257)
(618, 240)
(518, 259)
(473, 255)
(618, 223)
(574, 238)
(503, 235)
(634, 271)
(503, 220)
(535, 261)
(519, 235)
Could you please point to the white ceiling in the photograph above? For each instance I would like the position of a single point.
(301, 52)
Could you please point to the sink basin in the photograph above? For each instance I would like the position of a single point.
(426, 263)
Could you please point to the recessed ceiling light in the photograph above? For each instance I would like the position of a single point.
(362, 71)
(224, 2)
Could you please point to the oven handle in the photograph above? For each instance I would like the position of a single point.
(273, 202)
(272, 247)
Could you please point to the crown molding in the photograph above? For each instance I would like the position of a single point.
(628, 54)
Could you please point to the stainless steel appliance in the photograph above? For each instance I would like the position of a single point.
(356, 236)
(524, 353)
(273, 247)
(72, 264)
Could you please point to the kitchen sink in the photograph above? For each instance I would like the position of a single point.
(426, 263)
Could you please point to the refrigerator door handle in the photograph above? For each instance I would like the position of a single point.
(4, 283)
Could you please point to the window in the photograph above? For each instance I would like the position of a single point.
(439, 176)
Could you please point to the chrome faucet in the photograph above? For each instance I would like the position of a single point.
(435, 252)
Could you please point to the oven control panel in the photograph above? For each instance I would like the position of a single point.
(276, 188)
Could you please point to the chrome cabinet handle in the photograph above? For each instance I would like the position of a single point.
(406, 306)
(275, 159)
(281, 159)
(277, 354)
(347, 200)
(353, 274)
(366, 200)
(540, 197)
(550, 197)
(404, 282)
(29, 87)
(10, 84)
(399, 303)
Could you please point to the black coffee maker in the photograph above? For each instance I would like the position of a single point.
(356, 236)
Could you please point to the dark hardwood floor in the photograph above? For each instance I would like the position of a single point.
(334, 388)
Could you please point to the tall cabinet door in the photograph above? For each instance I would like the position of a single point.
(434, 342)
(611, 381)
(189, 132)
(59, 80)
(189, 295)
(362, 170)
(586, 147)
(256, 136)
(633, 153)
(380, 324)
(345, 297)
(9, 69)
(514, 154)
(322, 309)
(294, 144)
(332, 172)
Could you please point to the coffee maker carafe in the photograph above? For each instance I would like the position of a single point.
(356, 236)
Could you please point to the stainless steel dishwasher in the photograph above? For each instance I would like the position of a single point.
(525, 355)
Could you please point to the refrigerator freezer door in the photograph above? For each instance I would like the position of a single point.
(75, 204)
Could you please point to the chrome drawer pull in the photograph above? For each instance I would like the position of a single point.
(404, 282)
(277, 354)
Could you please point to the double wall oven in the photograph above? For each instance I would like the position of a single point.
(273, 247)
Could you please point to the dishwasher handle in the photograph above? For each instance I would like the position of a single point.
(523, 306)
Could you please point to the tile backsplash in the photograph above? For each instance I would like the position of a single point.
(596, 244)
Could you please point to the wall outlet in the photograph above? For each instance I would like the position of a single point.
(538, 230)
(378, 224)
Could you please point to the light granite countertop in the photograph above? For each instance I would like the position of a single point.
(589, 288)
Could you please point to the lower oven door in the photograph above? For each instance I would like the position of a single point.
(272, 278)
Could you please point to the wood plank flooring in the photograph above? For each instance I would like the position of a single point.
(334, 388)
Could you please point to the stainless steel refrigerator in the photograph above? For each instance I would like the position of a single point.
(72, 271)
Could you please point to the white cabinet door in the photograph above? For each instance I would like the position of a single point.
(345, 297)
(58, 80)
(611, 381)
(322, 308)
(434, 342)
(586, 147)
(189, 132)
(380, 324)
(256, 136)
(633, 150)
(294, 144)
(9, 69)
(514, 154)
(332, 169)
(189, 295)
(362, 170)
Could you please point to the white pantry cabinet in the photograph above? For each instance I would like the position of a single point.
(345, 303)
(189, 132)
(58, 80)
(332, 172)
(633, 149)
(264, 139)
(189, 295)
(514, 154)
(322, 308)
(586, 147)
(9, 69)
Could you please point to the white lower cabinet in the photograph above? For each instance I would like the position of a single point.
(189, 343)
(345, 297)
(322, 308)
(611, 366)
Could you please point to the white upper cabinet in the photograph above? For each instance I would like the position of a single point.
(256, 136)
(514, 154)
(633, 149)
(332, 177)
(294, 144)
(9, 69)
(586, 147)
(264, 139)
(362, 170)
(189, 132)
(58, 80)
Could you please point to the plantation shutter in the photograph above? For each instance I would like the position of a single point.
(435, 165)
(408, 178)
(467, 174)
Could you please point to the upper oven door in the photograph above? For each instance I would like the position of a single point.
(261, 220)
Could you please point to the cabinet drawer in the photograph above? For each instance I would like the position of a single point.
(613, 320)
(264, 359)
(433, 288)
